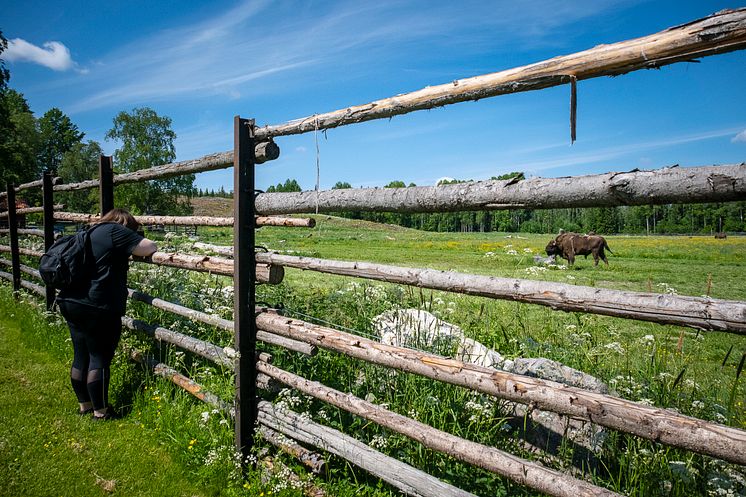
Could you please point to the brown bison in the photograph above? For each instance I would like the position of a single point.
(568, 245)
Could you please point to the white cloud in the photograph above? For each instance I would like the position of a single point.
(53, 55)
(740, 137)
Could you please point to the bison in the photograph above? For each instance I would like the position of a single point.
(568, 245)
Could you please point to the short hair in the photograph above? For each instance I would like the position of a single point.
(120, 216)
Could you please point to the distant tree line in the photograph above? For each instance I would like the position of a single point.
(30, 146)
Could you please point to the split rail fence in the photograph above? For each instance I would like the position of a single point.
(722, 32)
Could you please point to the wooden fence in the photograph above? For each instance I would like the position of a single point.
(721, 32)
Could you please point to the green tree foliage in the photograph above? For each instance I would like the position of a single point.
(57, 135)
(290, 185)
(19, 139)
(147, 140)
(80, 163)
(4, 73)
(341, 185)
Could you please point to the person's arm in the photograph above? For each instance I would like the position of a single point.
(145, 248)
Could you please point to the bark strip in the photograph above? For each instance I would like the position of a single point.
(651, 423)
(522, 471)
(669, 185)
(218, 322)
(695, 312)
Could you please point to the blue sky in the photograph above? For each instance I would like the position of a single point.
(201, 63)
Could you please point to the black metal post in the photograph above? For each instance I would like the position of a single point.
(106, 184)
(48, 193)
(15, 256)
(244, 268)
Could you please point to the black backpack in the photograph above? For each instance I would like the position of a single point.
(69, 262)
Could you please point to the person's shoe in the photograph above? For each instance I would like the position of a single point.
(87, 412)
(110, 414)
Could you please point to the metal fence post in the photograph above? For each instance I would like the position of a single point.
(48, 193)
(15, 256)
(106, 184)
(244, 267)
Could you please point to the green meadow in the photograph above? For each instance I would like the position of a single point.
(694, 372)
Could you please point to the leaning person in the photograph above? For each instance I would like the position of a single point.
(94, 313)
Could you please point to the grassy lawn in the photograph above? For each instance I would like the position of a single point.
(45, 447)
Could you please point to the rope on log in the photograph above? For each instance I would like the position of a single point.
(722, 32)
(696, 312)
(218, 322)
(522, 471)
(669, 185)
(651, 423)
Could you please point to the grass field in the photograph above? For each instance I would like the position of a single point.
(693, 372)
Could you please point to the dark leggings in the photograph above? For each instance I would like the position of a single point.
(95, 335)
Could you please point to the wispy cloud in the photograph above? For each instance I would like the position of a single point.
(52, 54)
(262, 43)
(740, 137)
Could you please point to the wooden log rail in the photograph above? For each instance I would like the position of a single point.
(218, 322)
(38, 289)
(24, 231)
(32, 184)
(651, 423)
(24, 268)
(31, 210)
(22, 251)
(79, 217)
(695, 312)
(265, 273)
(524, 472)
(662, 186)
(722, 32)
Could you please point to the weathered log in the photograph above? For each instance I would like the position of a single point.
(219, 322)
(180, 380)
(289, 222)
(205, 349)
(79, 217)
(524, 472)
(265, 273)
(721, 32)
(24, 268)
(222, 250)
(38, 289)
(266, 151)
(651, 423)
(407, 479)
(209, 162)
(696, 312)
(30, 210)
(662, 186)
(311, 459)
(33, 184)
(22, 251)
(24, 231)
